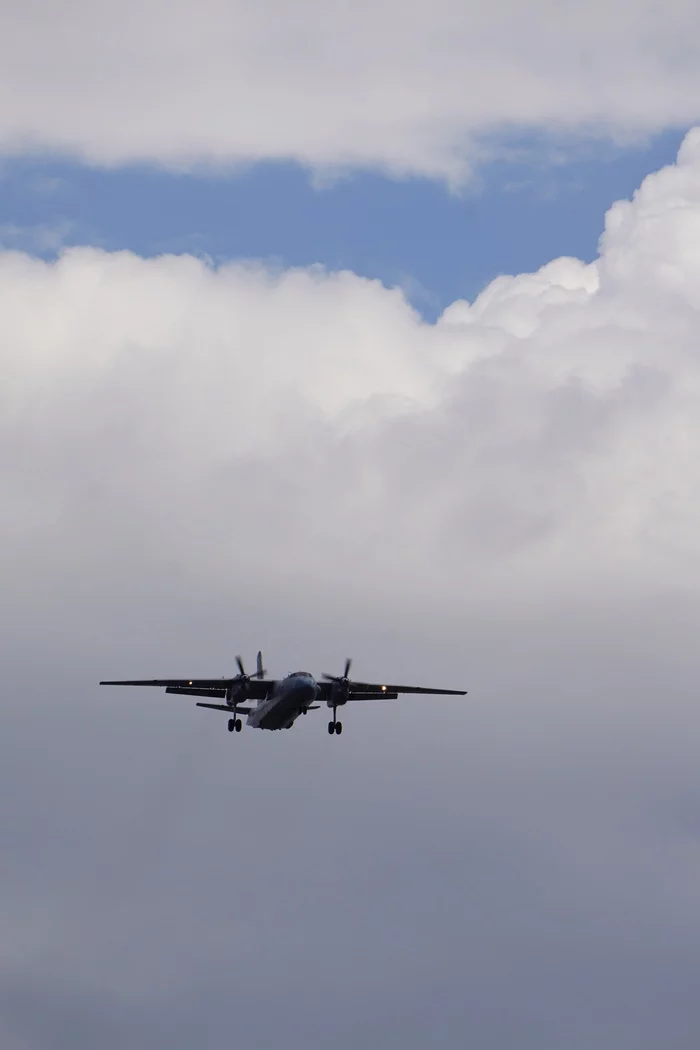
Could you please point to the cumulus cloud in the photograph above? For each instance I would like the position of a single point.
(533, 428)
(195, 460)
(409, 89)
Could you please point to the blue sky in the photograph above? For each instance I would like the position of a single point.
(438, 245)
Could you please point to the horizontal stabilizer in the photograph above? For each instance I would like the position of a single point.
(183, 690)
(225, 707)
(373, 696)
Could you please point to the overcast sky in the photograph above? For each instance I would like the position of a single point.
(366, 333)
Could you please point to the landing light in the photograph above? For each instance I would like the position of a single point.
(383, 688)
(189, 683)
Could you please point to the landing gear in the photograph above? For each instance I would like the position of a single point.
(339, 728)
(234, 724)
(331, 728)
(335, 727)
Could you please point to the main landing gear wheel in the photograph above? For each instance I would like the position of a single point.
(331, 728)
(234, 724)
(335, 727)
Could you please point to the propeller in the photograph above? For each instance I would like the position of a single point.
(344, 677)
(238, 686)
(258, 673)
(341, 685)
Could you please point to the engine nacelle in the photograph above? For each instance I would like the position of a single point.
(235, 694)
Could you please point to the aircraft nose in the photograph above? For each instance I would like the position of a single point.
(307, 690)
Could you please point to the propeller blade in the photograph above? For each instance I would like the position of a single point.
(339, 678)
(260, 671)
(240, 666)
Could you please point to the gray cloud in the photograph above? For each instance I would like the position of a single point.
(198, 462)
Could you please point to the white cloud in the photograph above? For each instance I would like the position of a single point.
(405, 88)
(545, 432)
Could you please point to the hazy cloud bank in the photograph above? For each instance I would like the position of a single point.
(195, 462)
(419, 89)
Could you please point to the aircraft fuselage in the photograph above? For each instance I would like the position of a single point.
(290, 698)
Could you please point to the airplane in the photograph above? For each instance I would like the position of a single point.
(277, 703)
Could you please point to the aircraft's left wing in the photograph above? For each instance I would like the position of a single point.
(381, 691)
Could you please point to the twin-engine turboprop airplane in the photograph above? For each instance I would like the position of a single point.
(277, 703)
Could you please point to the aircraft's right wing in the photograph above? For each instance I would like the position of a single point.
(255, 689)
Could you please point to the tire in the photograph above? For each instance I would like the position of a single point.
(231, 725)
(331, 728)
(339, 728)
